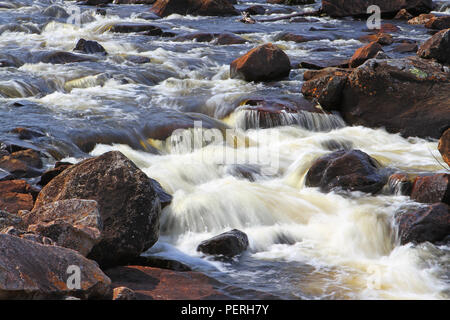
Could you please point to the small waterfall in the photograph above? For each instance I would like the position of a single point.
(253, 119)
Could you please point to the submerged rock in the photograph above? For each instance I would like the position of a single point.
(228, 244)
(128, 203)
(264, 63)
(351, 170)
(430, 223)
(164, 8)
(89, 47)
(437, 47)
(33, 271)
(22, 164)
(343, 8)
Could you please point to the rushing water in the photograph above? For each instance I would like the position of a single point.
(303, 243)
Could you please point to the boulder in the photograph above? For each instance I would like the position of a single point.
(430, 223)
(60, 57)
(217, 38)
(349, 170)
(164, 8)
(437, 47)
(343, 8)
(128, 203)
(431, 189)
(89, 47)
(438, 23)
(400, 184)
(408, 96)
(264, 63)
(325, 86)
(298, 38)
(75, 224)
(228, 244)
(365, 53)
(22, 164)
(444, 146)
(29, 270)
(15, 195)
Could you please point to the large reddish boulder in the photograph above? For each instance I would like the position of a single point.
(351, 170)
(431, 189)
(408, 96)
(444, 146)
(164, 8)
(437, 47)
(430, 223)
(228, 244)
(15, 195)
(365, 53)
(264, 63)
(29, 270)
(128, 204)
(343, 8)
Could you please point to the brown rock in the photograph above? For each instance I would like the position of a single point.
(15, 195)
(8, 219)
(365, 53)
(400, 184)
(437, 47)
(33, 271)
(124, 293)
(22, 164)
(388, 27)
(48, 175)
(30, 236)
(431, 223)
(228, 244)
(325, 86)
(444, 146)
(342, 8)
(128, 203)
(351, 170)
(431, 189)
(288, 36)
(264, 63)
(164, 8)
(438, 23)
(421, 19)
(407, 96)
(74, 224)
(381, 38)
(403, 15)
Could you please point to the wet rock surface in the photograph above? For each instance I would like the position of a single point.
(430, 223)
(264, 63)
(33, 271)
(228, 244)
(351, 170)
(129, 206)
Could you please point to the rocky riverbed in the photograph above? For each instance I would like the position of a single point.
(217, 149)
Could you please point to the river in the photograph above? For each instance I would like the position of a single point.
(304, 244)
